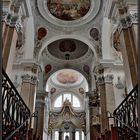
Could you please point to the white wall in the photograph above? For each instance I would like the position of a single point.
(106, 36)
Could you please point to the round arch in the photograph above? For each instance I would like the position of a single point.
(78, 70)
(76, 37)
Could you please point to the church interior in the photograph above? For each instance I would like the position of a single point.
(70, 70)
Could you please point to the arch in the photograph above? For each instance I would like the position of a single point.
(82, 39)
(78, 70)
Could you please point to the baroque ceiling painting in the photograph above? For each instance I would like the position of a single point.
(68, 9)
(67, 45)
(67, 77)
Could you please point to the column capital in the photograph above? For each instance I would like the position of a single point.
(127, 20)
(27, 78)
(99, 69)
(100, 79)
(108, 78)
(12, 21)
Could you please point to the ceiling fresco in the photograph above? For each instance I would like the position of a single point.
(72, 48)
(68, 10)
(67, 77)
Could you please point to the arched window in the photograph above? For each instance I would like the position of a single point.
(69, 96)
(77, 137)
(66, 134)
(83, 135)
(76, 102)
(58, 102)
(56, 135)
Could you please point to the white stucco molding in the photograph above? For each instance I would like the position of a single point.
(45, 13)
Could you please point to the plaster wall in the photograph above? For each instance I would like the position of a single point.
(106, 36)
(29, 39)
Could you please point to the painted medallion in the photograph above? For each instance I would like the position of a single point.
(68, 10)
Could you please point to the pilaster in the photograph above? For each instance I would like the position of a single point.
(11, 29)
(40, 108)
(110, 98)
(102, 92)
(127, 19)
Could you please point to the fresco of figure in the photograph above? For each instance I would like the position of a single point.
(68, 9)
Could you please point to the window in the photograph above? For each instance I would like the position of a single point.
(58, 102)
(83, 135)
(56, 135)
(69, 96)
(77, 135)
(76, 102)
(66, 134)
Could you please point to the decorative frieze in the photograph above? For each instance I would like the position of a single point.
(29, 78)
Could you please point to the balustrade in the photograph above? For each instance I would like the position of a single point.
(126, 117)
(16, 116)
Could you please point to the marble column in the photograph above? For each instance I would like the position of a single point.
(128, 49)
(102, 92)
(28, 90)
(10, 39)
(40, 108)
(110, 98)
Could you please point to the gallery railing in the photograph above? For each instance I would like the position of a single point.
(126, 116)
(15, 113)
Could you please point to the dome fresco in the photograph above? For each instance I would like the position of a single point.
(71, 48)
(68, 10)
(67, 77)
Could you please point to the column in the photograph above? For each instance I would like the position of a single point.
(128, 49)
(28, 86)
(73, 134)
(4, 25)
(110, 98)
(28, 89)
(102, 92)
(94, 104)
(40, 108)
(87, 118)
(10, 39)
(60, 134)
